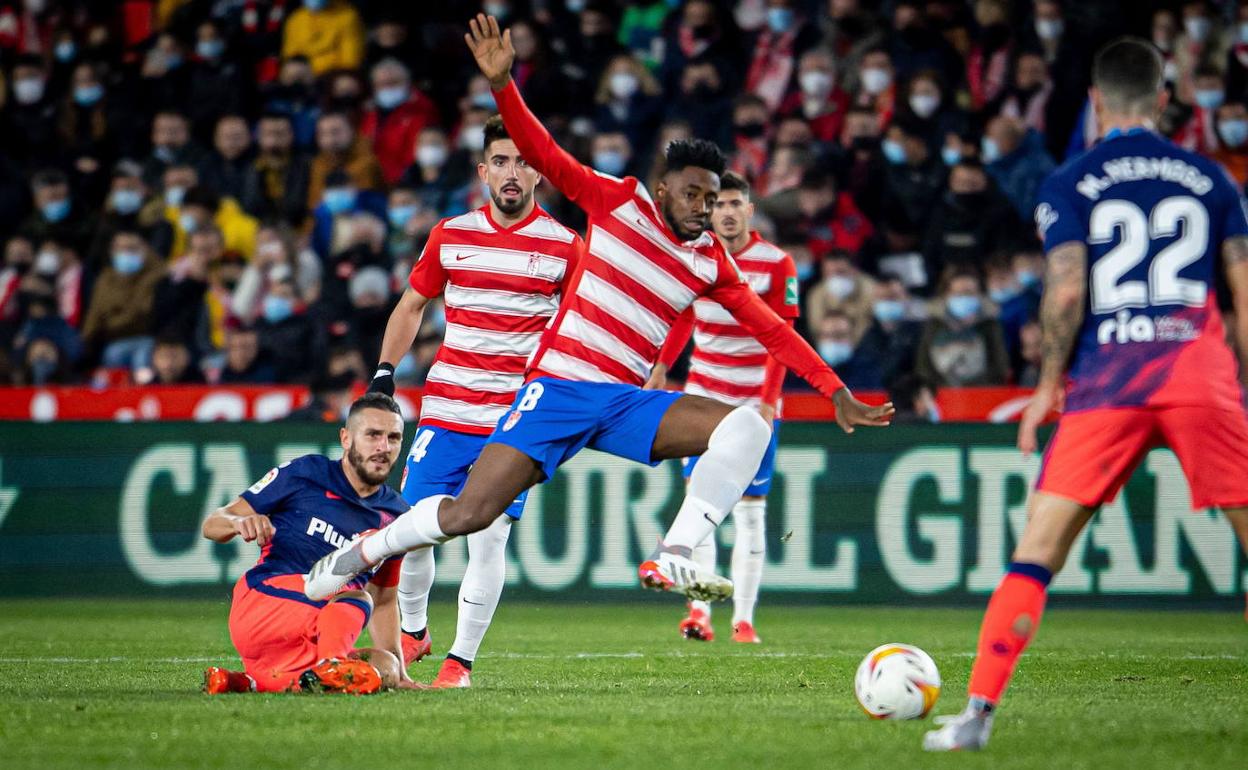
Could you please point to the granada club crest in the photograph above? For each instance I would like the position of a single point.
(535, 262)
(512, 419)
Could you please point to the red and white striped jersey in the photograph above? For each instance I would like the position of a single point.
(637, 276)
(501, 286)
(728, 364)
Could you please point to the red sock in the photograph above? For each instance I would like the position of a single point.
(1011, 620)
(237, 681)
(338, 626)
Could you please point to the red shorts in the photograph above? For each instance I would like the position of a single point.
(1094, 452)
(274, 628)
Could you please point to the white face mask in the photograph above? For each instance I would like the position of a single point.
(815, 82)
(924, 105)
(1197, 28)
(28, 90)
(623, 85)
(431, 155)
(839, 286)
(875, 80)
(1049, 29)
(472, 138)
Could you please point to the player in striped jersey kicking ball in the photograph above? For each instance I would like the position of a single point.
(729, 365)
(647, 260)
(500, 271)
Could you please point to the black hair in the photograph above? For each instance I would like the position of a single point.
(816, 178)
(48, 177)
(374, 400)
(731, 180)
(1128, 73)
(275, 114)
(699, 153)
(495, 130)
(201, 195)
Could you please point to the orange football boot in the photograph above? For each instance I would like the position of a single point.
(744, 632)
(452, 675)
(349, 675)
(697, 625)
(414, 649)
(652, 577)
(218, 681)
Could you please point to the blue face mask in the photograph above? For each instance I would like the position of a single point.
(399, 216)
(315, 5)
(65, 51)
(963, 307)
(278, 309)
(126, 202)
(210, 49)
(610, 162)
(1210, 98)
(834, 352)
(339, 199)
(1233, 132)
(127, 262)
(484, 101)
(950, 155)
(389, 98)
(780, 20)
(893, 152)
(173, 61)
(173, 196)
(805, 270)
(990, 150)
(889, 311)
(1027, 278)
(1003, 295)
(86, 96)
(55, 211)
(188, 223)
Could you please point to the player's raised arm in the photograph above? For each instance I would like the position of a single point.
(237, 518)
(1061, 315)
(494, 54)
(1235, 257)
(787, 346)
(401, 331)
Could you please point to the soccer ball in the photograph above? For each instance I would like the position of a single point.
(897, 681)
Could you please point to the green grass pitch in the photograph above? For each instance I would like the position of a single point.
(88, 684)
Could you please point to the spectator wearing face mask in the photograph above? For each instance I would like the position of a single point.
(438, 174)
(398, 114)
(1237, 57)
(785, 35)
(1199, 133)
(916, 46)
(231, 158)
(818, 99)
(218, 84)
(928, 112)
(28, 122)
(294, 95)
(339, 204)
(1026, 99)
(1232, 152)
(700, 36)
(750, 138)
(1016, 294)
(629, 101)
(92, 130)
(831, 219)
(1017, 161)
(165, 74)
(290, 336)
(857, 364)
(202, 207)
(961, 344)
(56, 272)
(57, 216)
(895, 330)
(119, 314)
(19, 255)
(127, 196)
(44, 362)
(275, 182)
(971, 221)
(844, 289)
(1202, 43)
(611, 153)
(410, 221)
(172, 145)
(276, 260)
(340, 149)
(328, 32)
(915, 175)
(875, 88)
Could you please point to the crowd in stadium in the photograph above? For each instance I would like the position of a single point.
(234, 191)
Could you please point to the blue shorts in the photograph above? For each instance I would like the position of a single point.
(438, 464)
(552, 419)
(762, 478)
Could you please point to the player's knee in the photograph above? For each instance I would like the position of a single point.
(360, 596)
(742, 429)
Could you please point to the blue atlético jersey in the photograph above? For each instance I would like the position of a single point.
(1153, 217)
(314, 510)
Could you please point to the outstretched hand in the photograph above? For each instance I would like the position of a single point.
(1043, 401)
(492, 49)
(851, 412)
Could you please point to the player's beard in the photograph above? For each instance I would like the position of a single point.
(514, 207)
(675, 224)
(360, 463)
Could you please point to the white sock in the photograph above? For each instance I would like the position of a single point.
(706, 554)
(748, 555)
(415, 580)
(418, 527)
(723, 472)
(482, 586)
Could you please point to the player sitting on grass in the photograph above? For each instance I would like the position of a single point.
(647, 261)
(1134, 339)
(297, 513)
(729, 365)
